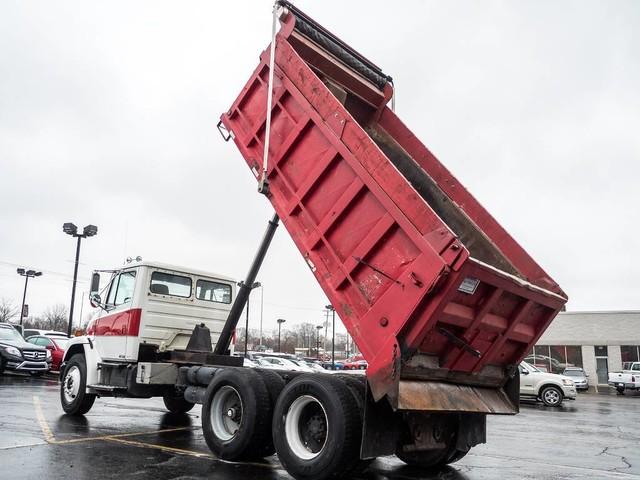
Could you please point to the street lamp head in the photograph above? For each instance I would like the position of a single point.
(256, 285)
(90, 231)
(69, 228)
(281, 320)
(20, 271)
(37, 274)
(31, 273)
(319, 327)
(330, 307)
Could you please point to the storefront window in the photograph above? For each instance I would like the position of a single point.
(574, 355)
(630, 353)
(555, 358)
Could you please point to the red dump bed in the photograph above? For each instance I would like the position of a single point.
(429, 285)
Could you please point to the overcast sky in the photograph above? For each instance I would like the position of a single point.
(108, 113)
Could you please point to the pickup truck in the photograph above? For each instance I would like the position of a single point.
(627, 379)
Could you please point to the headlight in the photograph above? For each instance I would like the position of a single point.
(13, 351)
(567, 382)
(48, 353)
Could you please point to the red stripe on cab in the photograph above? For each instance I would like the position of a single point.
(120, 324)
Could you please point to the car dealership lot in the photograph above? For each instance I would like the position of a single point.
(596, 436)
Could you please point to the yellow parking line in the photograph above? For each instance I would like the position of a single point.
(191, 453)
(50, 438)
(180, 451)
(46, 431)
(120, 438)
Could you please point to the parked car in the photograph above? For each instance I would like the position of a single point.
(339, 365)
(550, 388)
(356, 362)
(19, 355)
(579, 377)
(55, 344)
(627, 379)
(30, 332)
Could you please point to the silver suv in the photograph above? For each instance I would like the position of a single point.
(550, 388)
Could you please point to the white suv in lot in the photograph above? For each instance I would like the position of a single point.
(549, 388)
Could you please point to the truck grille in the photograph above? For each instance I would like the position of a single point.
(36, 355)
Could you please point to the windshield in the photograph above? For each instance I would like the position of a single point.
(10, 334)
(574, 373)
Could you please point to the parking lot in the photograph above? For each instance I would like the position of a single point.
(596, 436)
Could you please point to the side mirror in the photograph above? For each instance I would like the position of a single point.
(95, 300)
(95, 282)
(525, 372)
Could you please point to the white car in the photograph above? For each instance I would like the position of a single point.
(550, 388)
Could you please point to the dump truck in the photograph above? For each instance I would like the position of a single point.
(441, 301)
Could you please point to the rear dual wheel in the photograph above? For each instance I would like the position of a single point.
(444, 429)
(317, 428)
(237, 412)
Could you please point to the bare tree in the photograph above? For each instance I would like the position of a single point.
(8, 310)
(56, 317)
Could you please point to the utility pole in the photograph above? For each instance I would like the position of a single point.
(331, 309)
(318, 328)
(246, 328)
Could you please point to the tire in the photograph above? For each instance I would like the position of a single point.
(175, 402)
(433, 458)
(317, 428)
(620, 390)
(73, 392)
(274, 384)
(551, 396)
(236, 414)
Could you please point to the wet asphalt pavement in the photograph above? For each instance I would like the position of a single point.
(595, 437)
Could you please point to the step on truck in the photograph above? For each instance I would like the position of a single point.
(442, 302)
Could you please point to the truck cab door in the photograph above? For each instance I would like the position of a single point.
(119, 321)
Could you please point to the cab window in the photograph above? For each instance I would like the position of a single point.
(170, 284)
(213, 291)
(121, 290)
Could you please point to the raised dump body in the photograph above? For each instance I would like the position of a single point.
(439, 298)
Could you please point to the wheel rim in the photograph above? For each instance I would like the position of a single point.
(226, 413)
(71, 385)
(306, 427)
(551, 396)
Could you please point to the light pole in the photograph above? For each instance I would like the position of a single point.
(280, 322)
(319, 327)
(331, 309)
(27, 274)
(88, 231)
(246, 325)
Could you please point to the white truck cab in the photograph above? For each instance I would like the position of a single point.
(147, 311)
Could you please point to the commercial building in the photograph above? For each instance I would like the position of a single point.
(597, 341)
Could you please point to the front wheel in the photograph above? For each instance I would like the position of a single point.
(551, 396)
(73, 391)
(620, 390)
